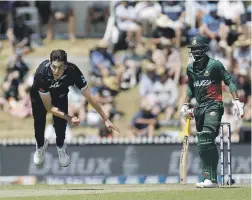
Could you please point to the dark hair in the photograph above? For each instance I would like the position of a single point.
(59, 55)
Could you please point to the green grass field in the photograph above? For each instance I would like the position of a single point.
(123, 192)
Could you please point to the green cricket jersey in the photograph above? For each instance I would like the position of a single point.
(205, 80)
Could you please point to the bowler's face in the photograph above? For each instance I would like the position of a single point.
(58, 68)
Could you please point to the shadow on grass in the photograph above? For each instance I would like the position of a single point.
(231, 187)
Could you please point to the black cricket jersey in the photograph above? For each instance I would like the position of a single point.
(44, 81)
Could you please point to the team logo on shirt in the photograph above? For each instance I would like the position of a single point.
(206, 73)
(212, 113)
(55, 85)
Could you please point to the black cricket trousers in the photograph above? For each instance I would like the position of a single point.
(39, 115)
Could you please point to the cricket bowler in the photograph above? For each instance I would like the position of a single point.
(205, 76)
(49, 94)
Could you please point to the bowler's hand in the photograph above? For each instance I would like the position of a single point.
(111, 126)
(75, 121)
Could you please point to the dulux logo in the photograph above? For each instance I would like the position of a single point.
(77, 166)
(240, 164)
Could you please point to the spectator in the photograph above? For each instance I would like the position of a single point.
(144, 122)
(76, 104)
(147, 79)
(195, 11)
(231, 11)
(247, 114)
(19, 35)
(132, 62)
(97, 11)
(5, 16)
(102, 61)
(105, 95)
(10, 85)
(223, 54)
(62, 12)
(175, 11)
(242, 54)
(18, 4)
(20, 108)
(243, 84)
(212, 25)
(168, 57)
(107, 92)
(26, 84)
(44, 11)
(15, 72)
(165, 93)
(16, 62)
(234, 121)
(125, 19)
(248, 21)
(164, 30)
(147, 11)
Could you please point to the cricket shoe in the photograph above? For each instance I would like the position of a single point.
(207, 184)
(39, 155)
(64, 158)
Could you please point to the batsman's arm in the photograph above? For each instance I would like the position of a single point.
(189, 90)
(47, 101)
(226, 77)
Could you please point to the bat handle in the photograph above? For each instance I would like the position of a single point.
(187, 129)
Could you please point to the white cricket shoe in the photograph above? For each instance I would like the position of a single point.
(39, 155)
(64, 158)
(199, 185)
(207, 184)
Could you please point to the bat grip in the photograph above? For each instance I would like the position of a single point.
(187, 129)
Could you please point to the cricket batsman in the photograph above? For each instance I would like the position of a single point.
(49, 95)
(205, 76)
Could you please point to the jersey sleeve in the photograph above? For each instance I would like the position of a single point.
(79, 79)
(189, 89)
(226, 77)
(41, 83)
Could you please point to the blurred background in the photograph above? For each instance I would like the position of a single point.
(134, 56)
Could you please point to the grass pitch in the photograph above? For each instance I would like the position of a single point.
(123, 192)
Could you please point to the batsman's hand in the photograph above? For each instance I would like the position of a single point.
(75, 121)
(238, 108)
(186, 112)
(111, 126)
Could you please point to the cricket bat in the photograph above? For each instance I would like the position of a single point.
(184, 154)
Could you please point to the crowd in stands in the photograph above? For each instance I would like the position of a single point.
(142, 48)
(160, 73)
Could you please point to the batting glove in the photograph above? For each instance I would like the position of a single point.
(238, 108)
(186, 112)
